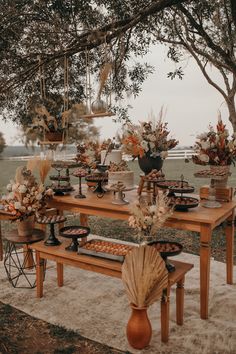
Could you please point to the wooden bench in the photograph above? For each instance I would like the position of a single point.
(112, 268)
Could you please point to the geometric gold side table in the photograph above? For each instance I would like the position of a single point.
(19, 261)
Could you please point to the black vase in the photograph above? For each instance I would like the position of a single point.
(148, 163)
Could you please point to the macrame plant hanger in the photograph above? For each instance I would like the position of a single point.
(98, 108)
(64, 115)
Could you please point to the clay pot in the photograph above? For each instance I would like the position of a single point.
(139, 329)
(148, 163)
(26, 227)
(54, 136)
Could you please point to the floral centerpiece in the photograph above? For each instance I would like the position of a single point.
(89, 152)
(215, 147)
(147, 217)
(26, 197)
(148, 140)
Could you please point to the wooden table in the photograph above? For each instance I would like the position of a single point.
(198, 219)
(111, 268)
(4, 216)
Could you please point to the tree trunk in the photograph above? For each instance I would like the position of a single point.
(232, 112)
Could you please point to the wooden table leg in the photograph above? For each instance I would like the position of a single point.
(84, 219)
(180, 302)
(39, 274)
(28, 257)
(60, 278)
(205, 257)
(165, 312)
(1, 244)
(229, 233)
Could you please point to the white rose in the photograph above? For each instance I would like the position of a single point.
(22, 188)
(164, 154)
(9, 187)
(25, 200)
(29, 208)
(39, 196)
(15, 186)
(10, 196)
(152, 145)
(152, 208)
(148, 220)
(205, 145)
(204, 158)
(22, 209)
(17, 205)
(144, 145)
(151, 137)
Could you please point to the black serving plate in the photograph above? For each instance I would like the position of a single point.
(164, 254)
(170, 184)
(59, 178)
(185, 189)
(62, 190)
(74, 243)
(190, 203)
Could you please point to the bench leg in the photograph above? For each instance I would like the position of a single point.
(60, 278)
(40, 267)
(180, 302)
(165, 310)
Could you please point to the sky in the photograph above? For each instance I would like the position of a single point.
(191, 104)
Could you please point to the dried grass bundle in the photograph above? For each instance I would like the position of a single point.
(144, 276)
(104, 73)
(19, 178)
(32, 164)
(44, 167)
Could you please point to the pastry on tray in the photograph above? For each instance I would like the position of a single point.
(113, 248)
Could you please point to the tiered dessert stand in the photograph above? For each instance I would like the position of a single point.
(61, 182)
(181, 187)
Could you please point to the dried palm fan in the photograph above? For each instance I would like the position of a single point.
(19, 178)
(144, 276)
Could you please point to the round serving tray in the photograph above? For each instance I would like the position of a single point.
(190, 203)
(177, 249)
(171, 184)
(187, 189)
(77, 233)
(62, 190)
(96, 179)
(64, 231)
(59, 178)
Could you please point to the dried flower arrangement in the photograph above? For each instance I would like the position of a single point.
(144, 276)
(89, 152)
(148, 138)
(51, 119)
(215, 147)
(147, 217)
(26, 196)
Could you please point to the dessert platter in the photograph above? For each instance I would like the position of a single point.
(167, 249)
(179, 202)
(75, 233)
(155, 176)
(105, 249)
(51, 220)
(183, 203)
(98, 179)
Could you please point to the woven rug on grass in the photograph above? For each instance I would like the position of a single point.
(96, 306)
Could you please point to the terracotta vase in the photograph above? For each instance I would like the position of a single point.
(139, 329)
(148, 163)
(25, 227)
(223, 182)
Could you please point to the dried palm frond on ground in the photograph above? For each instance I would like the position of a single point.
(144, 275)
